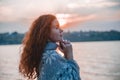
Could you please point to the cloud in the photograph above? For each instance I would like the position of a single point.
(27, 10)
(118, 1)
(92, 4)
(96, 26)
(74, 19)
(6, 13)
(108, 16)
(75, 11)
(24, 9)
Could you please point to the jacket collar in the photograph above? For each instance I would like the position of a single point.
(51, 45)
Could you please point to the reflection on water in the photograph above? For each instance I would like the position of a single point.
(97, 60)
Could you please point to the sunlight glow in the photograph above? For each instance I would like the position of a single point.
(62, 18)
(67, 20)
(62, 22)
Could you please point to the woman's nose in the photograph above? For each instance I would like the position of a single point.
(61, 30)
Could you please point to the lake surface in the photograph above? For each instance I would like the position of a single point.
(97, 60)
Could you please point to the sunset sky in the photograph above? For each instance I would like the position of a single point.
(75, 15)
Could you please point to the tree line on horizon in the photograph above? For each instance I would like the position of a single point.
(77, 36)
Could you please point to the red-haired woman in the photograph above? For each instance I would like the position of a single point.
(40, 58)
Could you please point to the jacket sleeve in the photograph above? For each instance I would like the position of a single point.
(55, 67)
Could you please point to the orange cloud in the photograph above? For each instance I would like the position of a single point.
(74, 19)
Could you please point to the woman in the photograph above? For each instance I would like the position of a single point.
(40, 58)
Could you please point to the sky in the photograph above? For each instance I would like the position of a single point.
(73, 15)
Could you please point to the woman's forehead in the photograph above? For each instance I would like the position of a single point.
(55, 22)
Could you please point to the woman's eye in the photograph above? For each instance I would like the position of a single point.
(57, 27)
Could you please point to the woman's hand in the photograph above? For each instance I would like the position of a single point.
(66, 48)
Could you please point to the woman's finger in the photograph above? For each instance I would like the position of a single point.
(63, 45)
(66, 41)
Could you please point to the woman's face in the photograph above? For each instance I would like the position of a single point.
(56, 34)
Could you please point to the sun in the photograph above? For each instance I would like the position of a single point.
(62, 22)
(62, 19)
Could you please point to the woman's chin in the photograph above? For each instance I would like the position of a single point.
(61, 40)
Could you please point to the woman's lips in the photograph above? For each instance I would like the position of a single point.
(61, 34)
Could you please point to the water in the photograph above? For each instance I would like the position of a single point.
(97, 60)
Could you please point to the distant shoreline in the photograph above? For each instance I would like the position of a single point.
(79, 36)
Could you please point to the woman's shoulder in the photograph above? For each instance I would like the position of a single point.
(52, 55)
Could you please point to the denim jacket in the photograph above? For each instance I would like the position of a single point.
(56, 67)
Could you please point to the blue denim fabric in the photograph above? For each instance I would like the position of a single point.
(56, 67)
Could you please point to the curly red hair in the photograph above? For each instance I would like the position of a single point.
(34, 43)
